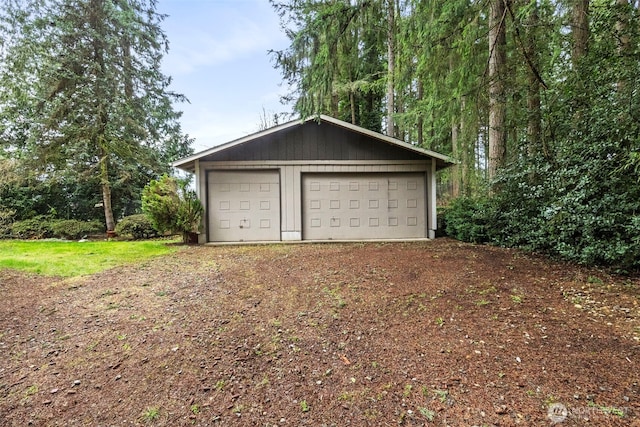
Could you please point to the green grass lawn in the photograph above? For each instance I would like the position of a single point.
(68, 259)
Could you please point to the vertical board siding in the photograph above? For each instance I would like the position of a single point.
(289, 195)
(313, 142)
(432, 208)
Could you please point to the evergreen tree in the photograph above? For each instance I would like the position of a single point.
(333, 62)
(537, 96)
(83, 96)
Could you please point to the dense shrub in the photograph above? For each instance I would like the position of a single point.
(137, 226)
(160, 202)
(469, 219)
(42, 227)
(38, 227)
(189, 214)
(574, 195)
(171, 206)
(587, 210)
(6, 220)
(74, 229)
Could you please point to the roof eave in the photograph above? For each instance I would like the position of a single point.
(181, 163)
(188, 163)
(449, 161)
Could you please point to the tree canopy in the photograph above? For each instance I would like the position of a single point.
(537, 99)
(85, 112)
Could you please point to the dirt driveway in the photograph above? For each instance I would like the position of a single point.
(432, 333)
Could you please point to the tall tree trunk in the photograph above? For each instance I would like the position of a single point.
(391, 65)
(334, 104)
(534, 122)
(100, 138)
(622, 30)
(420, 123)
(467, 165)
(455, 144)
(400, 131)
(352, 101)
(580, 35)
(106, 193)
(455, 153)
(497, 99)
(624, 40)
(580, 29)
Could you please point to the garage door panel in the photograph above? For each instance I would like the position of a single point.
(363, 206)
(244, 206)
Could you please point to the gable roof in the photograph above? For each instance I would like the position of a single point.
(214, 153)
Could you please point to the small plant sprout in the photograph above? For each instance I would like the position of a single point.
(427, 413)
(441, 395)
(276, 323)
(490, 290)
(304, 406)
(608, 410)
(151, 414)
(595, 280)
(407, 390)
(263, 382)
(345, 396)
(31, 390)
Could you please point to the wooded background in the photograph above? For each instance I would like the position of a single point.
(539, 101)
(86, 116)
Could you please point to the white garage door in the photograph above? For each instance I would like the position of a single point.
(364, 206)
(244, 206)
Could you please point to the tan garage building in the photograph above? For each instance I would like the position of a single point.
(317, 179)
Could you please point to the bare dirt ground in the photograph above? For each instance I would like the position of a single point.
(432, 333)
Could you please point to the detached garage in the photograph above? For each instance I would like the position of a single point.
(318, 179)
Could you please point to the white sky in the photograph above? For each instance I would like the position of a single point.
(218, 59)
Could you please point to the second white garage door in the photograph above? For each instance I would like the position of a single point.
(363, 206)
(244, 206)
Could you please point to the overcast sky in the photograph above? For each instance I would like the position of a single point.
(218, 59)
